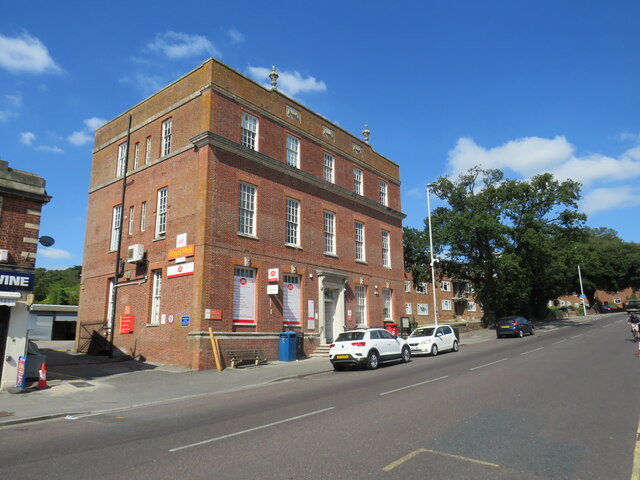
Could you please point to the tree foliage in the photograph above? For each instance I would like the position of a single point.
(513, 240)
(58, 287)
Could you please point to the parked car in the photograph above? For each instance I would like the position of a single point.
(514, 325)
(367, 347)
(633, 305)
(433, 339)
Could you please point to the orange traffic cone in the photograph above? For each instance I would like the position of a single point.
(42, 380)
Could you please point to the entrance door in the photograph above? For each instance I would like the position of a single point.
(329, 315)
(5, 313)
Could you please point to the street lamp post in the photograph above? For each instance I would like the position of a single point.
(433, 260)
(584, 309)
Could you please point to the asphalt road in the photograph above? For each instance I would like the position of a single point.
(563, 404)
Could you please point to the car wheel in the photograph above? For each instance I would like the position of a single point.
(520, 333)
(533, 331)
(455, 346)
(434, 350)
(406, 355)
(373, 360)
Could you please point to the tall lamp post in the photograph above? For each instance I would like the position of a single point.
(584, 309)
(433, 260)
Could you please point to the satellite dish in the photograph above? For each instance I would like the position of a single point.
(46, 241)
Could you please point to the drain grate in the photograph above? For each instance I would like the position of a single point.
(81, 384)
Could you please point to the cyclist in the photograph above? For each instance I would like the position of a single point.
(633, 321)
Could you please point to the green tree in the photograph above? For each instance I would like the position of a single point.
(513, 240)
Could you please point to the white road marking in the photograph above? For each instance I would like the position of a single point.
(579, 335)
(531, 351)
(487, 364)
(559, 341)
(415, 385)
(210, 440)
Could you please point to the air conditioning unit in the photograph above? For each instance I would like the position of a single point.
(135, 253)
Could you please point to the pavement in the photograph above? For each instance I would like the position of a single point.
(80, 384)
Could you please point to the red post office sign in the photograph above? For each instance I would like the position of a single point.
(126, 323)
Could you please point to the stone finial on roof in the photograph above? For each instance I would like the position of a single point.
(366, 132)
(274, 77)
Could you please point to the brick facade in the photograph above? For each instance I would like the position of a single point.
(203, 174)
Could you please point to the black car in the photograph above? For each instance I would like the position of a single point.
(514, 325)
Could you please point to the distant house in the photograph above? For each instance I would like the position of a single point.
(52, 322)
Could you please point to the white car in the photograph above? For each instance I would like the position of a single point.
(368, 347)
(433, 339)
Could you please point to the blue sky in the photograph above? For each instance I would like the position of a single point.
(527, 86)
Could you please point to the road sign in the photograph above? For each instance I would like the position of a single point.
(185, 321)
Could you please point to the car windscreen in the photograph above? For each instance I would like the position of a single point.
(423, 332)
(350, 336)
(506, 321)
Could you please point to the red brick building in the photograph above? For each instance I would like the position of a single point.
(455, 302)
(22, 196)
(214, 184)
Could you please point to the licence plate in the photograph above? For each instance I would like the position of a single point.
(341, 357)
(506, 326)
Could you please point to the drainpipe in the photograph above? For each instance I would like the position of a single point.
(117, 272)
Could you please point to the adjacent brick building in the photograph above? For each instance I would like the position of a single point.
(455, 302)
(22, 196)
(215, 184)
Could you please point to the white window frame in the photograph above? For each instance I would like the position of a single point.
(110, 311)
(383, 193)
(161, 212)
(422, 309)
(249, 131)
(248, 197)
(407, 286)
(131, 215)
(329, 232)
(446, 305)
(471, 306)
(386, 251)
(136, 156)
(360, 242)
(357, 181)
(116, 225)
(156, 296)
(293, 151)
(143, 216)
(121, 165)
(445, 286)
(421, 288)
(617, 300)
(166, 136)
(328, 167)
(387, 305)
(361, 305)
(147, 153)
(408, 309)
(293, 222)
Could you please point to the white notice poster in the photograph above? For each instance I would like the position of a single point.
(244, 295)
(291, 300)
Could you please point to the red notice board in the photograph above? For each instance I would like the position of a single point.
(126, 323)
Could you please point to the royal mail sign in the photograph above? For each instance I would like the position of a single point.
(273, 275)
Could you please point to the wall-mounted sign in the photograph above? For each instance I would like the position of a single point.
(181, 240)
(180, 270)
(185, 321)
(213, 314)
(126, 323)
(170, 318)
(17, 281)
(186, 251)
(274, 275)
(273, 289)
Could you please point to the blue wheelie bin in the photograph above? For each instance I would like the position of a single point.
(287, 347)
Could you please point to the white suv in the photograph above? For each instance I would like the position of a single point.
(369, 347)
(433, 339)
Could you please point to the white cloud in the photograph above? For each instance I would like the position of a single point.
(14, 100)
(149, 84)
(27, 138)
(94, 123)
(289, 83)
(235, 35)
(602, 199)
(5, 115)
(630, 137)
(84, 136)
(54, 253)
(182, 45)
(416, 193)
(26, 54)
